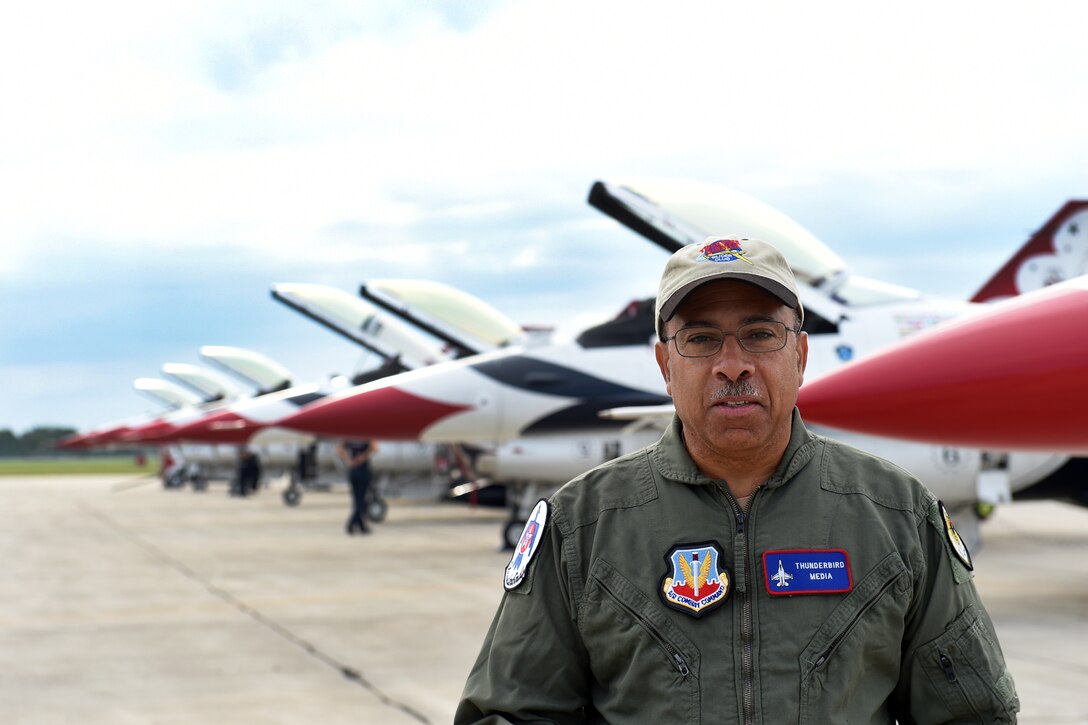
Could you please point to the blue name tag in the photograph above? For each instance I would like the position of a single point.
(807, 571)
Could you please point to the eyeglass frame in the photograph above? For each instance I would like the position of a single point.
(735, 333)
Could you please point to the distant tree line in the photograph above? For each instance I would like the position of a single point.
(35, 442)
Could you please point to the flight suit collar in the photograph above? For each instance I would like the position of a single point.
(671, 458)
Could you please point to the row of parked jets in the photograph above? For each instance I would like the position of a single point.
(984, 400)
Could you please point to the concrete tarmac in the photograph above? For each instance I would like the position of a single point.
(121, 602)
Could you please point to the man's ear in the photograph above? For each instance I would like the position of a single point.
(661, 352)
(802, 356)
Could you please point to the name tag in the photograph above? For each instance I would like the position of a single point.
(807, 571)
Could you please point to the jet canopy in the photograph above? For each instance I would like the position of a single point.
(166, 393)
(267, 374)
(455, 316)
(208, 383)
(361, 322)
(673, 213)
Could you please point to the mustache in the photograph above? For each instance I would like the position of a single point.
(733, 390)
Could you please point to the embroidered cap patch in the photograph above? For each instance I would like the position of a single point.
(695, 581)
(724, 250)
(807, 571)
(527, 546)
(954, 540)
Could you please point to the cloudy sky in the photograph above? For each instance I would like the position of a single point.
(162, 164)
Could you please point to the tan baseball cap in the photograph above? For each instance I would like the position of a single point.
(747, 260)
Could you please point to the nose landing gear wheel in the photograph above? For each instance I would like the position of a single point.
(511, 534)
(292, 496)
(376, 510)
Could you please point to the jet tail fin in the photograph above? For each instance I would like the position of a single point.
(1056, 252)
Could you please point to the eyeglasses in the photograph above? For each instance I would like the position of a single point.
(764, 336)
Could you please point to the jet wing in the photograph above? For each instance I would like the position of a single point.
(266, 374)
(360, 322)
(641, 417)
(646, 413)
(466, 323)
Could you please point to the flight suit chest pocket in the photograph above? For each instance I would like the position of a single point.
(647, 668)
(859, 642)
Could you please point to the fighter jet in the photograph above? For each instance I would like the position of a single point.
(251, 421)
(163, 392)
(520, 392)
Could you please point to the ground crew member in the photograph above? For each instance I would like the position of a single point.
(249, 472)
(356, 456)
(741, 569)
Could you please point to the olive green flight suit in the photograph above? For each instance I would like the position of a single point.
(587, 637)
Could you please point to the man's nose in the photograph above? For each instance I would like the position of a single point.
(733, 361)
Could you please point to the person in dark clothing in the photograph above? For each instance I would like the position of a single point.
(356, 456)
(249, 472)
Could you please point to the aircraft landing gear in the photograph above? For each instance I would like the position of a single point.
(511, 533)
(292, 495)
(376, 509)
(174, 480)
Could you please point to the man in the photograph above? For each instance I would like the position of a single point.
(249, 472)
(741, 569)
(356, 456)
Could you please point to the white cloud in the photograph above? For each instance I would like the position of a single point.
(444, 138)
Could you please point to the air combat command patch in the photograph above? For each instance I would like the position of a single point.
(695, 581)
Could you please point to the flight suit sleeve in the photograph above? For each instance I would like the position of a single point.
(533, 666)
(953, 669)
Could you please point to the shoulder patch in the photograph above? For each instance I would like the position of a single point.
(954, 540)
(527, 546)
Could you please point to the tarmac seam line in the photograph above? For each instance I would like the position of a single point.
(309, 648)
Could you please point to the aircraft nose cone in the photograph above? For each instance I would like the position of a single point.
(1014, 377)
(74, 442)
(383, 413)
(222, 427)
(105, 437)
(155, 432)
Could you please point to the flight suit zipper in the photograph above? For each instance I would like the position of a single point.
(747, 627)
(857, 618)
(674, 654)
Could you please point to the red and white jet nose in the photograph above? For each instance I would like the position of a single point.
(223, 426)
(98, 439)
(388, 413)
(157, 431)
(1012, 377)
(77, 441)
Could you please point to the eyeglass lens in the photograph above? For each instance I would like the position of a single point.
(754, 337)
